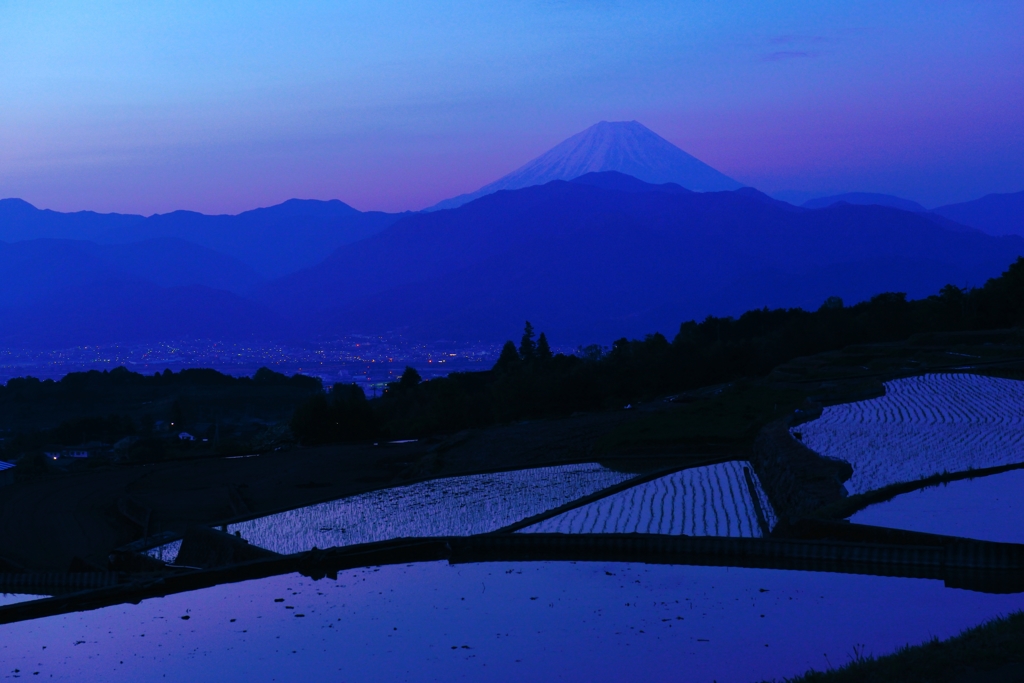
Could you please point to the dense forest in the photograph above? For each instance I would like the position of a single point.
(145, 413)
(529, 382)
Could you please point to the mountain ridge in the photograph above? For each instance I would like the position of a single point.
(865, 198)
(601, 256)
(31, 270)
(132, 312)
(587, 262)
(272, 240)
(995, 214)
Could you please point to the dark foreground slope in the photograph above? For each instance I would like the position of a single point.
(990, 653)
(451, 414)
(607, 255)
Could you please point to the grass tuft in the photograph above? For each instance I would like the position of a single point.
(974, 655)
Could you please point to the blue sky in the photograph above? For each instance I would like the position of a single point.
(220, 107)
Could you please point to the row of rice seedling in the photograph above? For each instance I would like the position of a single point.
(166, 552)
(713, 500)
(923, 426)
(441, 507)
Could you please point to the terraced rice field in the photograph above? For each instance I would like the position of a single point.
(704, 501)
(165, 553)
(923, 426)
(442, 507)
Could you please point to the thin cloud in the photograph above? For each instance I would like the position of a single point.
(784, 55)
(789, 39)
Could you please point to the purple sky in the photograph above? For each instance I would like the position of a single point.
(150, 107)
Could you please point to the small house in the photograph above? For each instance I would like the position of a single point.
(55, 453)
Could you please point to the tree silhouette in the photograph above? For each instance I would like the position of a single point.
(509, 358)
(831, 303)
(543, 349)
(346, 417)
(410, 378)
(527, 347)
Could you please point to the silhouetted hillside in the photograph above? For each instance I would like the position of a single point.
(128, 312)
(865, 198)
(603, 256)
(32, 271)
(996, 214)
(28, 404)
(531, 382)
(273, 241)
(588, 260)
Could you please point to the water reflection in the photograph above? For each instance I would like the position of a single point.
(714, 500)
(12, 598)
(922, 426)
(454, 506)
(987, 508)
(501, 622)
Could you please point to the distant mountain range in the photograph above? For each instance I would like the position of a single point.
(628, 147)
(586, 257)
(865, 199)
(272, 241)
(34, 270)
(607, 255)
(996, 214)
(132, 311)
(71, 292)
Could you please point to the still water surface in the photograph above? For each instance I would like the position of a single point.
(501, 622)
(987, 508)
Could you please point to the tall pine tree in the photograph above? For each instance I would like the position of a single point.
(527, 347)
(509, 358)
(543, 349)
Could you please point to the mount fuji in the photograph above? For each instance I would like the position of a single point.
(628, 147)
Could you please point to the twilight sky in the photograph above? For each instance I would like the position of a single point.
(221, 107)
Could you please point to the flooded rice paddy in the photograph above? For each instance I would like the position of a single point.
(501, 622)
(11, 598)
(923, 426)
(456, 506)
(987, 508)
(714, 500)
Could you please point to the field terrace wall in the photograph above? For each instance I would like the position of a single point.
(796, 480)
